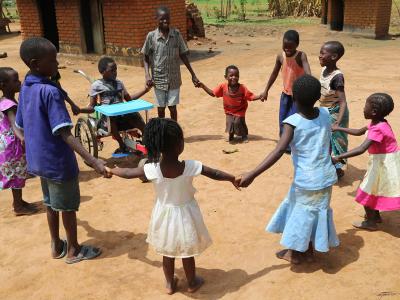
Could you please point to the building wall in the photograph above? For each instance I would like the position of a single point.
(126, 23)
(29, 18)
(69, 26)
(364, 16)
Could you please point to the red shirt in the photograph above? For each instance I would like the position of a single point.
(234, 104)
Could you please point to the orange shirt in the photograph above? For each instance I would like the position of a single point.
(234, 104)
(290, 72)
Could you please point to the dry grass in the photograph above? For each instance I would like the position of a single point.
(296, 8)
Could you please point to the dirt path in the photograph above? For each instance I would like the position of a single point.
(241, 263)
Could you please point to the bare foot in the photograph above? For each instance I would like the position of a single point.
(59, 249)
(366, 225)
(24, 210)
(289, 255)
(309, 255)
(196, 284)
(171, 287)
(245, 139)
(340, 173)
(27, 204)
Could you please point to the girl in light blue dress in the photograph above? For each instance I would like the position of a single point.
(304, 217)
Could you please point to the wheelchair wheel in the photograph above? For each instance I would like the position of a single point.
(142, 162)
(86, 135)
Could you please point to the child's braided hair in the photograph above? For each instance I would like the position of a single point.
(382, 103)
(161, 136)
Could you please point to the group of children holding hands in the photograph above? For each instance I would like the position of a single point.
(36, 139)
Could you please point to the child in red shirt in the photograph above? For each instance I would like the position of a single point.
(235, 97)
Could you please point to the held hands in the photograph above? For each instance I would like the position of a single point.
(195, 81)
(335, 127)
(108, 172)
(336, 160)
(149, 82)
(264, 96)
(98, 165)
(75, 109)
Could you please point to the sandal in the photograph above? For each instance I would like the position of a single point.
(64, 250)
(86, 253)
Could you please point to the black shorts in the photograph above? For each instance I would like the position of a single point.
(125, 122)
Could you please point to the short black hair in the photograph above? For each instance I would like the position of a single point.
(382, 103)
(306, 90)
(4, 74)
(292, 36)
(34, 48)
(162, 9)
(161, 136)
(231, 67)
(103, 63)
(336, 47)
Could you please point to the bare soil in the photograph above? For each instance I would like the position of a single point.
(241, 264)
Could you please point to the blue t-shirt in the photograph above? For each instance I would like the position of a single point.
(41, 113)
(313, 168)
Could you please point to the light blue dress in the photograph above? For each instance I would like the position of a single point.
(305, 216)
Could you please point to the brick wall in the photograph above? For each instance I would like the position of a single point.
(69, 26)
(366, 16)
(126, 23)
(370, 17)
(29, 18)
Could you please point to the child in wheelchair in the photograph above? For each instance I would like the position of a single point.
(110, 90)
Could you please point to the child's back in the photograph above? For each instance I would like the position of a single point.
(310, 151)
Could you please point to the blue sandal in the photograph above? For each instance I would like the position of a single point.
(86, 253)
(64, 250)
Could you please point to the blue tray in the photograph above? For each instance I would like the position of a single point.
(124, 108)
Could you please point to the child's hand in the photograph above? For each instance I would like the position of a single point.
(75, 110)
(264, 96)
(236, 182)
(335, 127)
(99, 166)
(246, 180)
(336, 160)
(195, 81)
(108, 173)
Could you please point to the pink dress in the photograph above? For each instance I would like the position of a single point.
(380, 188)
(12, 155)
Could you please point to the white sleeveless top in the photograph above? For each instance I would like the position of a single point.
(329, 97)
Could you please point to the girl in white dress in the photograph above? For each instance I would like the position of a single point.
(176, 229)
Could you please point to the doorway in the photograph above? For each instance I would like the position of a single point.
(337, 14)
(92, 26)
(47, 11)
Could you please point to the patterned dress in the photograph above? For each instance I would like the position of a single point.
(12, 156)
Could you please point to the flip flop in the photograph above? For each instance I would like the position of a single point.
(64, 250)
(230, 151)
(86, 253)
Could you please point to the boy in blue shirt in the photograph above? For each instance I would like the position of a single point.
(50, 146)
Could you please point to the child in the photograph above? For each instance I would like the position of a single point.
(163, 50)
(293, 64)
(176, 228)
(12, 157)
(110, 90)
(380, 189)
(235, 97)
(50, 147)
(304, 217)
(333, 97)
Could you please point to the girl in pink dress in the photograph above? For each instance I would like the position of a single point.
(12, 155)
(380, 189)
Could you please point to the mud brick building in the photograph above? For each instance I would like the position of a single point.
(113, 27)
(368, 17)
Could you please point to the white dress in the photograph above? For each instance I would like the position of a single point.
(176, 227)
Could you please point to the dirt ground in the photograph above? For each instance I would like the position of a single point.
(241, 263)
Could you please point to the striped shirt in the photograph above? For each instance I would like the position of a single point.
(164, 58)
